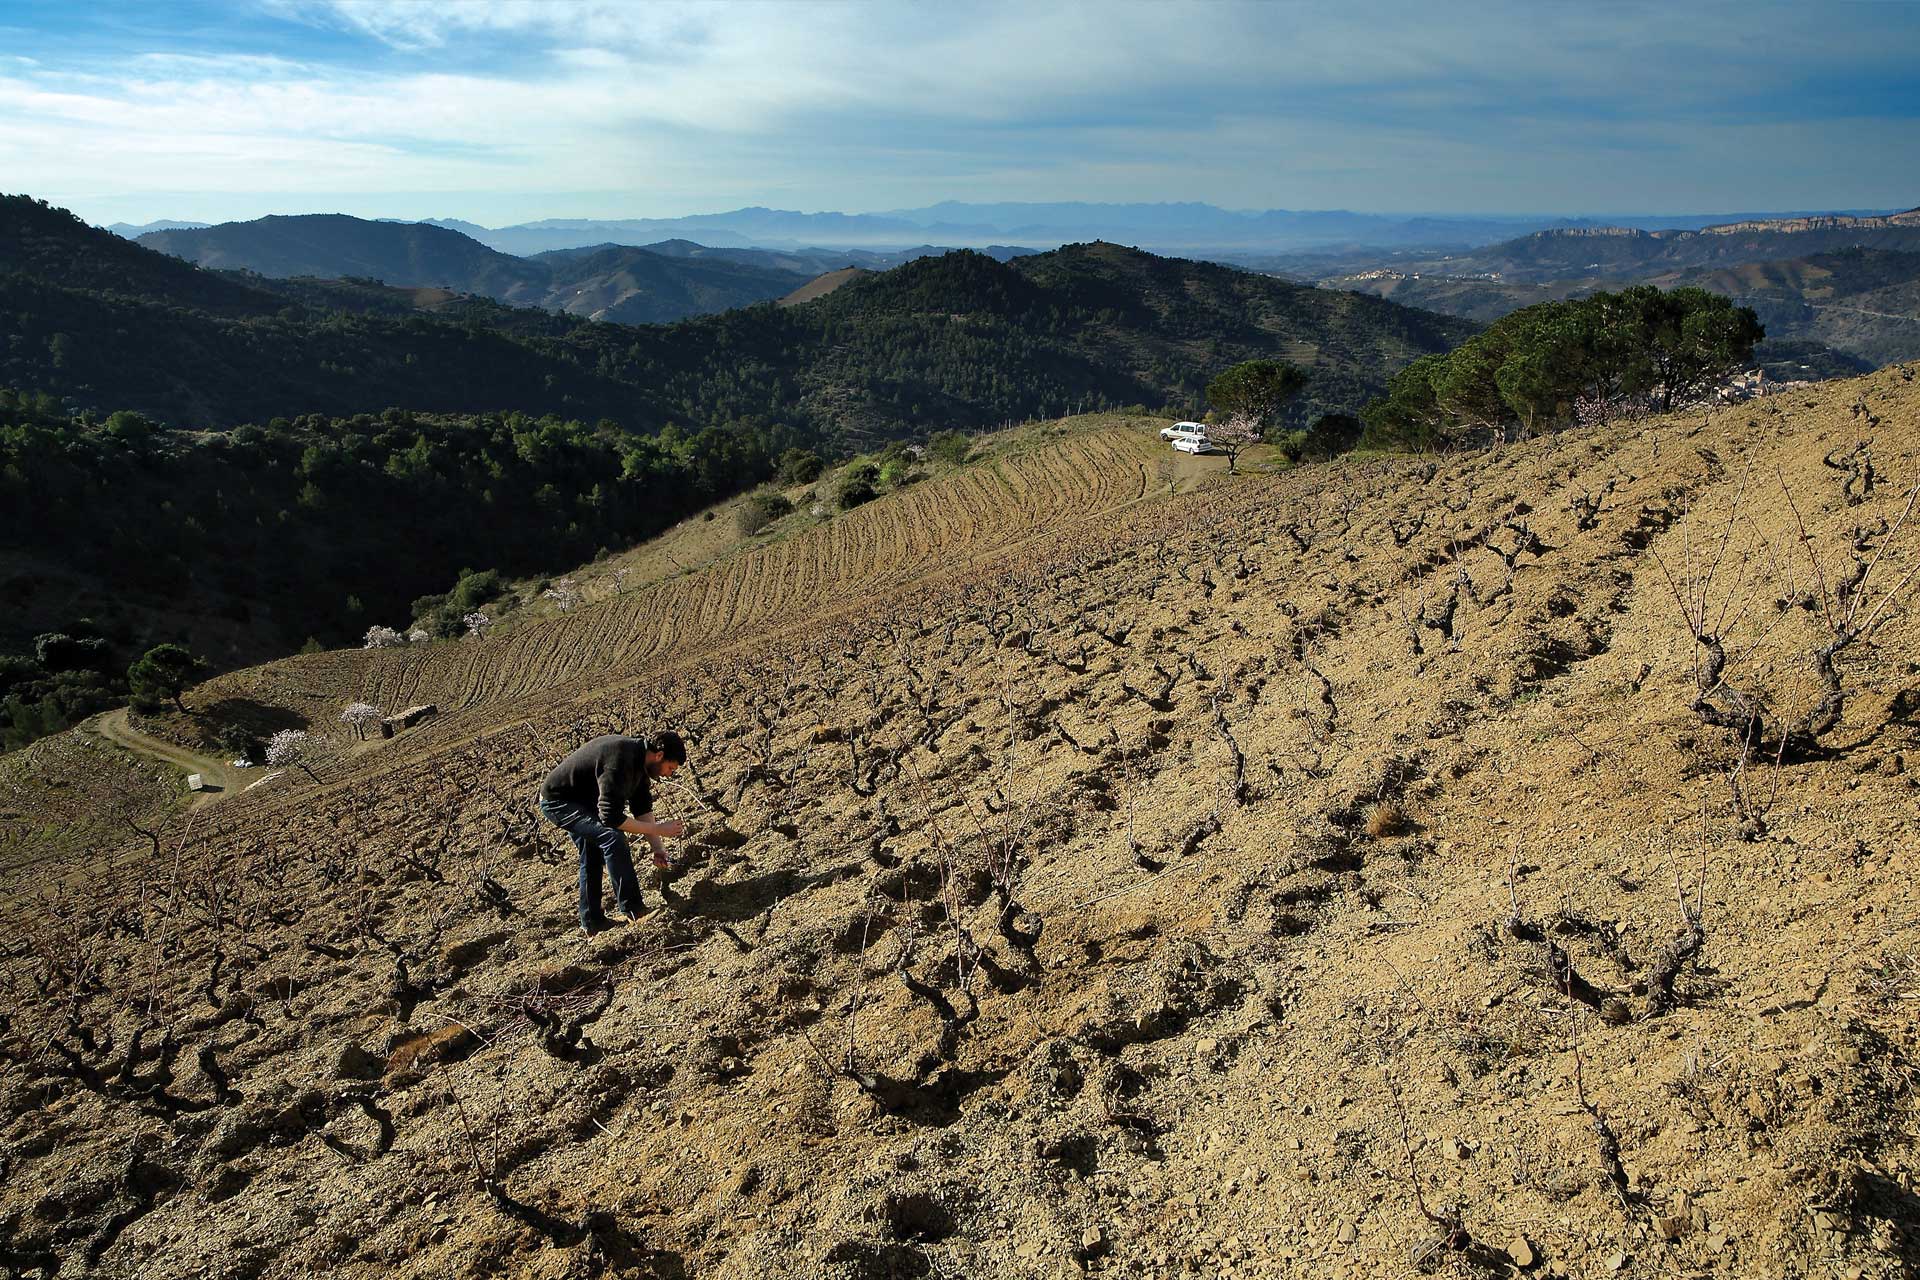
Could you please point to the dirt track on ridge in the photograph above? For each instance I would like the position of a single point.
(113, 726)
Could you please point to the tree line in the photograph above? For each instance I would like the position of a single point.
(1549, 365)
(311, 526)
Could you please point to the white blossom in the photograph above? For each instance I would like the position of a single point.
(381, 638)
(286, 746)
(418, 636)
(360, 715)
(1238, 432)
(477, 624)
(563, 593)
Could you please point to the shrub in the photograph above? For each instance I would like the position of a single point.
(1332, 434)
(898, 473)
(800, 466)
(59, 651)
(239, 743)
(762, 508)
(857, 485)
(475, 589)
(951, 447)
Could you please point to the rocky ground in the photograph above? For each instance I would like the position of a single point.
(1346, 872)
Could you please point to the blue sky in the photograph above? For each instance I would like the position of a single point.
(507, 110)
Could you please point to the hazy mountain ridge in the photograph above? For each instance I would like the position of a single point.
(1843, 282)
(336, 246)
(655, 283)
(133, 231)
(1563, 253)
(1181, 227)
(866, 363)
(619, 283)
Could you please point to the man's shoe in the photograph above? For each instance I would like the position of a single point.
(634, 915)
(591, 927)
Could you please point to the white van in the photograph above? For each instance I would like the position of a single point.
(1183, 430)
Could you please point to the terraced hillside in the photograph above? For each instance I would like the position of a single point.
(1340, 872)
(930, 529)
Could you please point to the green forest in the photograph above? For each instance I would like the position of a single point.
(1546, 366)
(310, 526)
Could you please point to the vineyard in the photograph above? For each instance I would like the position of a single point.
(1485, 864)
(972, 514)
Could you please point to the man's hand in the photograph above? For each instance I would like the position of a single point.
(670, 830)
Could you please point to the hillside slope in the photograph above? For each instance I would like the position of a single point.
(929, 530)
(934, 344)
(1862, 301)
(40, 241)
(1305, 876)
(1616, 251)
(611, 282)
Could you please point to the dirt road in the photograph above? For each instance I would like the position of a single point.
(221, 778)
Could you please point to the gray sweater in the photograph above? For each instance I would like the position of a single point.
(607, 775)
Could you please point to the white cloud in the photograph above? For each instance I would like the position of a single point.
(676, 107)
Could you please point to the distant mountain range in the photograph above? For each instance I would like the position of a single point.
(133, 231)
(1191, 229)
(1846, 282)
(652, 284)
(1568, 253)
(957, 340)
(1187, 228)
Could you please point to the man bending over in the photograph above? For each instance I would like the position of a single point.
(589, 794)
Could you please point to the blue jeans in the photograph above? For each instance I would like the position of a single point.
(597, 843)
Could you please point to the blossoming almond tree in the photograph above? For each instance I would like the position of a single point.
(1238, 432)
(288, 748)
(360, 715)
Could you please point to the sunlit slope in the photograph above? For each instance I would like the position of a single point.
(1292, 877)
(976, 512)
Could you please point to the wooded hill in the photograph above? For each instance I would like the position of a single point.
(609, 282)
(234, 461)
(955, 341)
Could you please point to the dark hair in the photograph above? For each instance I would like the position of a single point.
(669, 746)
